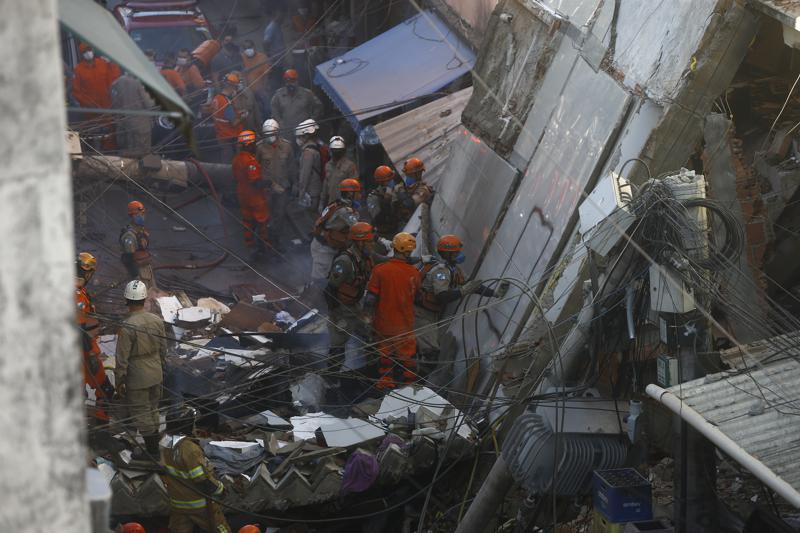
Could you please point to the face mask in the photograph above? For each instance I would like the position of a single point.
(271, 139)
(88, 55)
(182, 61)
(299, 141)
(249, 52)
(356, 204)
(138, 220)
(460, 258)
(240, 87)
(409, 180)
(303, 11)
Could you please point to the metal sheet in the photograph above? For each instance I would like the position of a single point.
(572, 150)
(469, 200)
(758, 410)
(425, 132)
(415, 58)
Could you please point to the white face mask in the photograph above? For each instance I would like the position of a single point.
(271, 139)
(249, 52)
(88, 55)
(299, 141)
(182, 61)
(303, 11)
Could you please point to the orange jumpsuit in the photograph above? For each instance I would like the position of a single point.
(174, 78)
(94, 374)
(394, 283)
(91, 82)
(227, 121)
(252, 200)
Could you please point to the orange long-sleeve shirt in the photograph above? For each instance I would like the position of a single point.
(174, 78)
(247, 172)
(394, 283)
(255, 70)
(91, 82)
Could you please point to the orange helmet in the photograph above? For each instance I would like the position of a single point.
(383, 174)
(361, 231)
(290, 74)
(349, 185)
(132, 527)
(404, 242)
(87, 261)
(449, 243)
(135, 207)
(232, 79)
(413, 164)
(247, 137)
(249, 529)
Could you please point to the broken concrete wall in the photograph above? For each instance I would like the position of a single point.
(42, 457)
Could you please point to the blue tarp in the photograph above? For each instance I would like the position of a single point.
(415, 58)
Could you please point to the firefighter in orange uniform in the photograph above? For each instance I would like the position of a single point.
(331, 229)
(228, 120)
(411, 193)
(94, 375)
(251, 194)
(390, 301)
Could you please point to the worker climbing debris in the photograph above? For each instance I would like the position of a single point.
(412, 192)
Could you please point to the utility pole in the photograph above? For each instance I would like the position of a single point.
(42, 453)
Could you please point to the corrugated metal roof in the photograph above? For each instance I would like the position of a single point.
(425, 132)
(758, 409)
(763, 351)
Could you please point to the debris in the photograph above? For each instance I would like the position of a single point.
(246, 317)
(178, 228)
(360, 472)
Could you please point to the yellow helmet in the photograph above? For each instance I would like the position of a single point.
(87, 261)
(404, 242)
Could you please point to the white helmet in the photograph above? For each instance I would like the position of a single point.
(270, 127)
(336, 143)
(307, 127)
(135, 290)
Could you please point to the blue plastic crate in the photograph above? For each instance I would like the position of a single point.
(622, 495)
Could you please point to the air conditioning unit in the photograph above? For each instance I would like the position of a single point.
(605, 215)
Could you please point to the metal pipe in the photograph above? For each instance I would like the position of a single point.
(630, 294)
(724, 443)
(488, 500)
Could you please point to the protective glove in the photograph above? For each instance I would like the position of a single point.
(121, 390)
(501, 290)
(426, 259)
(471, 286)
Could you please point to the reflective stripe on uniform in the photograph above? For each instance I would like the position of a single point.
(220, 488)
(194, 473)
(222, 529)
(188, 504)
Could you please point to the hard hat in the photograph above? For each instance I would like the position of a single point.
(349, 185)
(249, 529)
(232, 79)
(132, 527)
(413, 164)
(336, 143)
(404, 242)
(270, 127)
(361, 231)
(135, 290)
(383, 174)
(84, 47)
(449, 243)
(290, 74)
(247, 137)
(135, 207)
(307, 127)
(87, 261)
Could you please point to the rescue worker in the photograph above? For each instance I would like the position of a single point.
(249, 529)
(390, 303)
(190, 74)
(132, 527)
(229, 57)
(443, 282)
(250, 192)
(332, 228)
(134, 133)
(337, 169)
(140, 364)
(255, 66)
(277, 169)
(347, 280)
(228, 119)
(245, 101)
(134, 239)
(191, 484)
(309, 180)
(92, 79)
(94, 375)
(292, 104)
(379, 202)
(413, 192)
(274, 44)
(172, 76)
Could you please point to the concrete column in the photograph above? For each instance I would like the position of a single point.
(42, 455)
